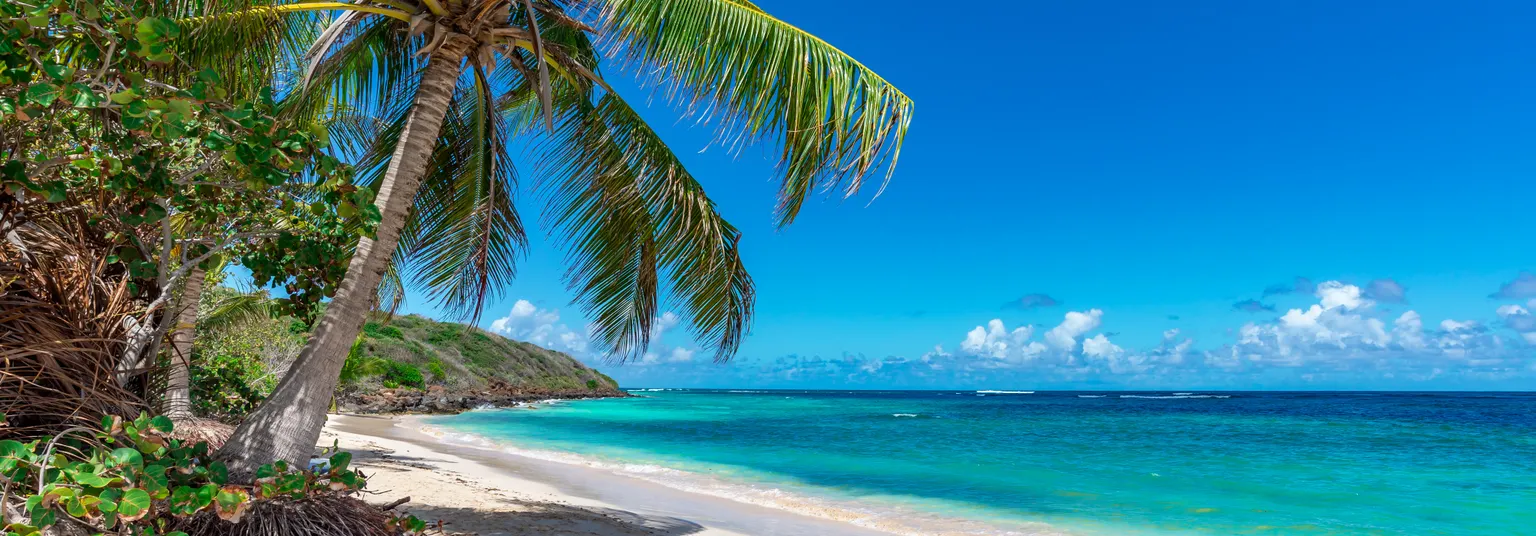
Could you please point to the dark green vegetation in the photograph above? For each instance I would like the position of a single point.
(135, 477)
(415, 351)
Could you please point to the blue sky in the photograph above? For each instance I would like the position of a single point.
(1148, 167)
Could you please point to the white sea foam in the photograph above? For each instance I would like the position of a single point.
(1091, 396)
(1163, 397)
(903, 414)
(1182, 394)
(891, 518)
(991, 392)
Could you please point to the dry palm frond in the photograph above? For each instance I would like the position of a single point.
(61, 325)
(322, 515)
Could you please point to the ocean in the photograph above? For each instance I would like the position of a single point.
(1072, 463)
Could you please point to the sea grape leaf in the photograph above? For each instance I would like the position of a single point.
(134, 504)
(129, 457)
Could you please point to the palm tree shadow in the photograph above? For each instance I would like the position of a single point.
(544, 519)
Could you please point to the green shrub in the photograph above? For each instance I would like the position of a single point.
(591, 384)
(444, 333)
(402, 374)
(131, 477)
(435, 366)
(227, 386)
(373, 329)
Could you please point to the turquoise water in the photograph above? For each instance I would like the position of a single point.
(953, 462)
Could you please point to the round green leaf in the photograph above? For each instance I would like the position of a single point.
(134, 504)
(128, 457)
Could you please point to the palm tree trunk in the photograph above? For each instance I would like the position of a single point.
(177, 400)
(288, 424)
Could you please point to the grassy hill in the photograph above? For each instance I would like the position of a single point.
(417, 351)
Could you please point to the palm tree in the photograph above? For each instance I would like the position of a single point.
(176, 400)
(458, 80)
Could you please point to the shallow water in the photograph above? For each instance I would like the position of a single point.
(967, 462)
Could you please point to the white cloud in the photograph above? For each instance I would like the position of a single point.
(526, 322)
(1333, 294)
(995, 341)
(1337, 320)
(660, 352)
(1409, 330)
(1099, 346)
(1064, 336)
(680, 355)
(664, 323)
(1453, 326)
(1519, 319)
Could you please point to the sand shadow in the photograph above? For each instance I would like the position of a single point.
(544, 519)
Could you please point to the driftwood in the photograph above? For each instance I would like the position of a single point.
(398, 502)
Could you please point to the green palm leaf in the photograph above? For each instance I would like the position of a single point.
(464, 235)
(245, 41)
(233, 309)
(761, 78)
(631, 212)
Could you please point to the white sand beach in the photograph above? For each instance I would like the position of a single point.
(489, 493)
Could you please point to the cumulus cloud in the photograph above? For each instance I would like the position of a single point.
(1064, 336)
(1524, 286)
(660, 353)
(1408, 329)
(1454, 326)
(1386, 291)
(1333, 294)
(1300, 285)
(1519, 319)
(664, 323)
(526, 322)
(674, 356)
(997, 342)
(1099, 346)
(1033, 301)
(1333, 323)
(1253, 306)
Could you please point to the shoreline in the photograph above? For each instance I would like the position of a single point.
(489, 493)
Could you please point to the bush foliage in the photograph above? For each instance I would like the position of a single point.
(132, 477)
(403, 375)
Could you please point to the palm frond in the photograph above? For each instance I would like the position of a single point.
(391, 292)
(247, 42)
(761, 78)
(234, 309)
(464, 235)
(632, 211)
(362, 61)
